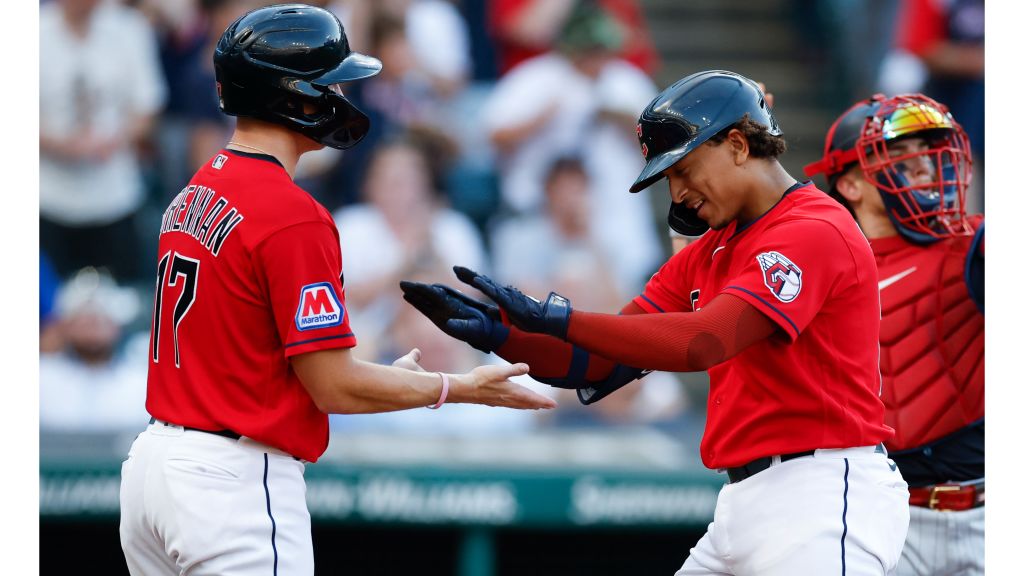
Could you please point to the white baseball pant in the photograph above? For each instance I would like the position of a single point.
(197, 504)
(837, 512)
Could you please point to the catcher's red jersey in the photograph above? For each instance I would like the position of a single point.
(249, 273)
(932, 339)
(806, 265)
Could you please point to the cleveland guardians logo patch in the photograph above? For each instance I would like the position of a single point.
(781, 276)
(319, 307)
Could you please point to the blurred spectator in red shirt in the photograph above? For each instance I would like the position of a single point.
(526, 28)
(941, 44)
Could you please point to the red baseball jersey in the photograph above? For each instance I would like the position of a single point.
(806, 265)
(249, 274)
(932, 340)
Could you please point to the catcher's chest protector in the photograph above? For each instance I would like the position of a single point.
(932, 341)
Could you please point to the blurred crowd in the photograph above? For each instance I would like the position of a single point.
(503, 139)
(507, 152)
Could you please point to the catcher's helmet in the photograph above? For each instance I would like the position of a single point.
(273, 60)
(922, 212)
(687, 114)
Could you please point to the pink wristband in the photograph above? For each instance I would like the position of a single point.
(444, 391)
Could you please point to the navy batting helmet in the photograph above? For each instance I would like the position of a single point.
(922, 210)
(687, 114)
(274, 61)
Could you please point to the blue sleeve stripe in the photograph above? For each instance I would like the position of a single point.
(317, 340)
(768, 304)
(651, 302)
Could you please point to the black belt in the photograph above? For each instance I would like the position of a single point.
(225, 433)
(759, 465)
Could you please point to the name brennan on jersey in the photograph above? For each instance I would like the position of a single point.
(188, 213)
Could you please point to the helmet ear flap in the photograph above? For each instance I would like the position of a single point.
(335, 122)
(274, 62)
(685, 220)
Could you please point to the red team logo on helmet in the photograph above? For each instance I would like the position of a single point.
(640, 135)
(781, 276)
(319, 307)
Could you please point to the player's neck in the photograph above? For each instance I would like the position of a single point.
(875, 226)
(253, 136)
(767, 188)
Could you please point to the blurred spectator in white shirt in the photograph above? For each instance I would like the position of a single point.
(556, 249)
(580, 100)
(96, 380)
(100, 88)
(403, 227)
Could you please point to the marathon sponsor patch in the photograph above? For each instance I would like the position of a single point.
(781, 276)
(319, 307)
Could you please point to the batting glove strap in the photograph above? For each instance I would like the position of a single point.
(555, 316)
(619, 377)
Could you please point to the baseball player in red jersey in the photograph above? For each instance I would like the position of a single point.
(250, 344)
(778, 301)
(902, 165)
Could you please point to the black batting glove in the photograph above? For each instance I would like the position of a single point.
(550, 317)
(457, 315)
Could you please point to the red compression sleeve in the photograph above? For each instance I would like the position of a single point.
(550, 357)
(674, 341)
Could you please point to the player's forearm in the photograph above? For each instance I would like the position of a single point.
(551, 358)
(366, 388)
(673, 342)
(341, 384)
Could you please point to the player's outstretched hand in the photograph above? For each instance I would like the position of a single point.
(490, 385)
(410, 361)
(457, 315)
(525, 312)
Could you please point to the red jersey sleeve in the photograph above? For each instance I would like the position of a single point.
(662, 293)
(792, 270)
(301, 268)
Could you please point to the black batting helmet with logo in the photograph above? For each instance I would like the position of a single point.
(687, 114)
(283, 64)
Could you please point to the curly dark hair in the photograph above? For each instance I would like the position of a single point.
(762, 144)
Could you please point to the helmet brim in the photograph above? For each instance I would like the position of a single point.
(652, 172)
(355, 66)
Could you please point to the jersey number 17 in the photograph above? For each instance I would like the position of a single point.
(181, 268)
